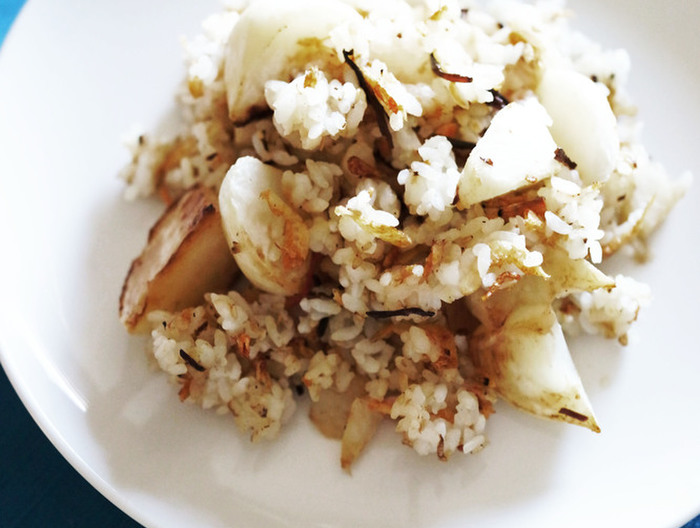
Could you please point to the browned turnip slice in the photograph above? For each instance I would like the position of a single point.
(185, 257)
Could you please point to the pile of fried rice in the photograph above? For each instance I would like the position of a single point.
(414, 199)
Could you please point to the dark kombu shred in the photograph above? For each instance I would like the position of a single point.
(191, 362)
(403, 312)
(461, 144)
(322, 326)
(565, 160)
(499, 101)
(453, 77)
(573, 414)
(372, 100)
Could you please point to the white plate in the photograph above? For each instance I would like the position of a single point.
(76, 75)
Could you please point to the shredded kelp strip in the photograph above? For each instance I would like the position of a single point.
(565, 160)
(191, 362)
(452, 77)
(403, 312)
(372, 99)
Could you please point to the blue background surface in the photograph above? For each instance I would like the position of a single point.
(38, 488)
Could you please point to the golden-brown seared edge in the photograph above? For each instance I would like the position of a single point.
(186, 256)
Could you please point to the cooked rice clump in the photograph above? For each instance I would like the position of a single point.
(421, 151)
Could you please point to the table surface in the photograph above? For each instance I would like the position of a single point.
(38, 487)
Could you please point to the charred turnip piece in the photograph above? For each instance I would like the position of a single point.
(583, 124)
(520, 346)
(271, 39)
(267, 237)
(185, 257)
(517, 150)
(527, 362)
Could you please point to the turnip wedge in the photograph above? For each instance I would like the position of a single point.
(272, 39)
(184, 258)
(267, 237)
(520, 347)
(577, 105)
(517, 150)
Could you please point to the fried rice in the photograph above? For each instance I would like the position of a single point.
(417, 198)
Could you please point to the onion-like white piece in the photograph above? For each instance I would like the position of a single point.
(583, 122)
(268, 238)
(517, 150)
(184, 258)
(520, 346)
(270, 40)
(527, 362)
